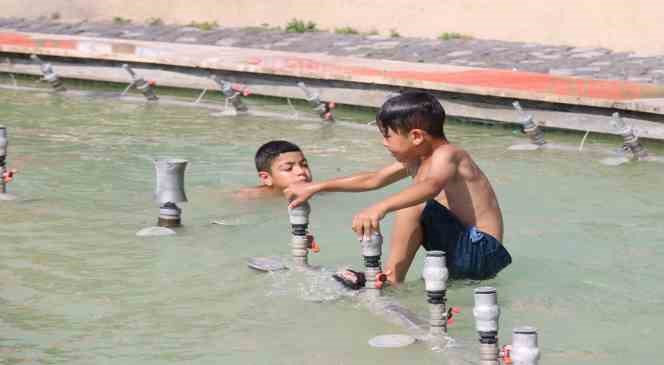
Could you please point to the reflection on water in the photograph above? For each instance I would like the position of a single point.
(78, 286)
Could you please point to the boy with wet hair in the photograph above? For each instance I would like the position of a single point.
(450, 206)
(279, 164)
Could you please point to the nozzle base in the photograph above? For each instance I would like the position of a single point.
(169, 222)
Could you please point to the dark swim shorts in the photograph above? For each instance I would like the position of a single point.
(470, 253)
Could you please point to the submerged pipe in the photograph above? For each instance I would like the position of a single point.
(300, 240)
(631, 142)
(435, 276)
(324, 109)
(487, 314)
(48, 74)
(169, 191)
(532, 130)
(371, 252)
(232, 94)
(144, 87)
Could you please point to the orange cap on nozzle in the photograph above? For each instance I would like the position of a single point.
(313, 245)
(8, 175)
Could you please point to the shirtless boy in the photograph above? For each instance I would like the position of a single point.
(279, 164)
(450, 206)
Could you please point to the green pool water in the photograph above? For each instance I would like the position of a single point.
(77, 286)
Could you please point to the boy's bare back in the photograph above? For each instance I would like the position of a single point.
(467, 193)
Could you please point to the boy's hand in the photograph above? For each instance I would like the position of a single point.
(299, 193)
(367, 221)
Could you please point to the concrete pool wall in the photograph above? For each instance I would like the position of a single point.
(470, 93)
(613, 24)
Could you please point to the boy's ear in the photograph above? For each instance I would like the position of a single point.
(265, 178)
(416, 136)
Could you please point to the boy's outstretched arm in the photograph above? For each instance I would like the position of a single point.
(442, 169)
(299, 193)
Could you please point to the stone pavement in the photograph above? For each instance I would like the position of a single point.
(597, 63)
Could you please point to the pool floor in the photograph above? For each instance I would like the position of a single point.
(77, 285)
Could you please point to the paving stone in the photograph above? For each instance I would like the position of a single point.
(546, 56)
(561, 71)
(640, 79)
(384, 45)
(187, 39)
(589, 54)
(342, 43)
(377, 37)
(556, 60)
(586, 70)
(129, 34)
(532, 62)
(586, 49)
(188, 29)
(459, 54)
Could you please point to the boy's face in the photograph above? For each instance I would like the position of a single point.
(401, 146)
(288, 168)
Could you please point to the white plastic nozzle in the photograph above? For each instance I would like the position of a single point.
(4, 141)
(486, 310)
(373, 246)
(524, 346)
(435, 271)
(300, 214)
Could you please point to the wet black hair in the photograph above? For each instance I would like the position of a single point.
(412, 110)
(271, 150)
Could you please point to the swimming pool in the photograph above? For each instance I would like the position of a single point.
(77, 286)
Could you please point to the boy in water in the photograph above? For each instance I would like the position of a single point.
(279, 164)
(450, 206)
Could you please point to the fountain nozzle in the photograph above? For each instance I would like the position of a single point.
(435, 276)
(301, 241)
(530, 128)
(232, 93)
(631, 142)
(324, 109)
(48, 74)
(144, 87)
(170, 190)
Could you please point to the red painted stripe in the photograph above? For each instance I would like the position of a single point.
(22, 40)
(488, 78)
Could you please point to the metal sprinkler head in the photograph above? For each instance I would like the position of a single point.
(48, 74)
(170, 181)
(530, 128)
(631, 142)
(323, 109)
(232, 93)
(144, 87)
(170, 190)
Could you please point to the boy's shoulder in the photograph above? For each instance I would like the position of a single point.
(448, 151)
(256, 192)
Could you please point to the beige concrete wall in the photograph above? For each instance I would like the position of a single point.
(623, 25)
